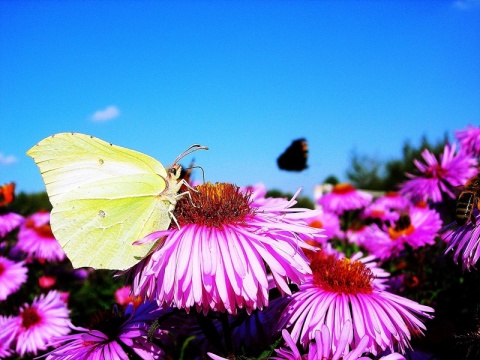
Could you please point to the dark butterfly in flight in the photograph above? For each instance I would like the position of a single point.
(294, 158)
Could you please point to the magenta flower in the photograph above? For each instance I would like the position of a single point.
(36, 239)
(38, 323)
(7, 335)
(387, 207)
(218, 258)
(464, 241)
(438, 178)
(327, 221)
(344, 197)
(115, 336)
(123, 296)
(321, 348)
(12, 276)
(341, 290)
(416, 227)
(469, 140)
(9, 222)
(392, 200)
(380, 276)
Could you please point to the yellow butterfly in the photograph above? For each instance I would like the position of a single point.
(105, 197)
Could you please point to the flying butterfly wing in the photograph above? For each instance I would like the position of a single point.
(104, 198)
(294, 158)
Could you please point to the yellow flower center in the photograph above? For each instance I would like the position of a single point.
(341, 275)
(214, 205)
(343, 189)
(403, 227)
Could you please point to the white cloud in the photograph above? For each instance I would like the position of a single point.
(466, 4)
(6, 160)
(110, 112)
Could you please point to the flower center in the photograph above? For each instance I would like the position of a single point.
(30, 317)
(392, 194)
(2, 269)
(316, 224)
(343, 189)
(377, 213)
(44, 231)
(214, 205)
(403, 227)
(108, 322)
(435, 171)
(341, 275)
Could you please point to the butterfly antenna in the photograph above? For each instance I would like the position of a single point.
(190, 150)
(203, 172)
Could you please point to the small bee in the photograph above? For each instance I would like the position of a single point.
(467, 199)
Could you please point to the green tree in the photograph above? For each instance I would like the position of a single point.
(370, 173)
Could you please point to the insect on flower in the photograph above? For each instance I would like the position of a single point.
(466, 201)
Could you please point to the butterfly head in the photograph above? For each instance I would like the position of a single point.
(174, 172)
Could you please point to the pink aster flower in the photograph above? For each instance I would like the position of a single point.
(218, 258)
(12, 276)
(464, 241)
(392, 200)
(321, 348)
(123, 296)
(327, 221)
(415, 227)
(380, 276)
(9, 222)
(358, 234)
(387, 207)
(438, 178)
(469, 140)
(114, 336)
(7, 335)
(36, 239)
(341, 290)
(344, 197)
(38, 323)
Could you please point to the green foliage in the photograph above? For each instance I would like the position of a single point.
(331, 179)
(27, 204)
(370, 173)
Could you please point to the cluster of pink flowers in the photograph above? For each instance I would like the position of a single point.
(254, 268)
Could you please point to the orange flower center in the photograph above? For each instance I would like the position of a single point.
(316, 224)
(392, 194)
(395, 234)
(342, 189)
(403, 227)
(30, 317)
(341, 275)
(214, 205)
(44, 231)
(377, 213)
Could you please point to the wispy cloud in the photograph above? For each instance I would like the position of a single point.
(109, 113)
(466, 4)
(6, 160)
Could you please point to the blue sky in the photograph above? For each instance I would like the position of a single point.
(244, 78)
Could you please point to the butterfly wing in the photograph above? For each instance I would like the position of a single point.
(294, 158)
(104, 198)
